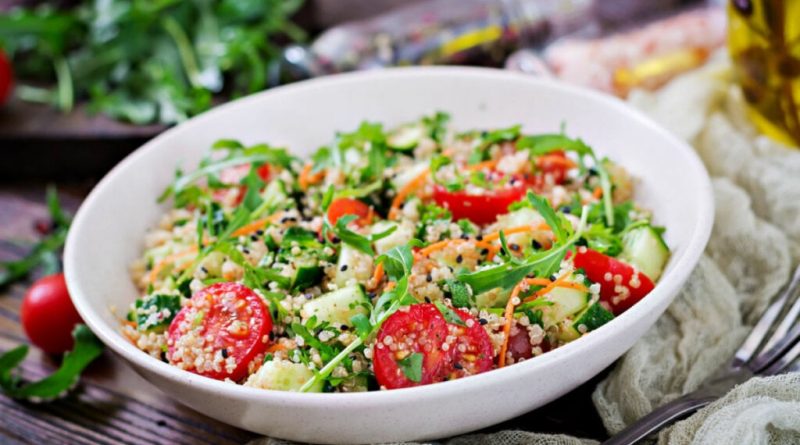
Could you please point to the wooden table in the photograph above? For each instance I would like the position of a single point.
(113, 405)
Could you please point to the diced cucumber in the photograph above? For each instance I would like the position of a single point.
(405, 138)
(274, 196)
(588, 320)
(492, 298)
(337, 307)
(283, 375)
(401, 236)
(308, 272)
(566, 301)
(644, 248)
(408, 175)
(346, 270)
(525, 216)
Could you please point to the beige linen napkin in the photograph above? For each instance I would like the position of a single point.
(755, 242)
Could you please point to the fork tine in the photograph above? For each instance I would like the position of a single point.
(785, 362)
(760, 331)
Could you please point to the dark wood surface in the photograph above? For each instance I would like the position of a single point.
(113, 405)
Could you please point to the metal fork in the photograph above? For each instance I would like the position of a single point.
(769, 349)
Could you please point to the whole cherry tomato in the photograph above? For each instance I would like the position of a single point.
(48, 316)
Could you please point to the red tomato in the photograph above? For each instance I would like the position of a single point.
(422, 329)
(234, 176)
(480, 209)
(48, 316)
(616, 279)
(555, 165)
(231, 320)
(349, 206)
(6, 79)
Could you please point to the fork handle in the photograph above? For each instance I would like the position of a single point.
(675, 410)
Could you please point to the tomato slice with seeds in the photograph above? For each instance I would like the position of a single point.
(472, 352)
(349, 206)
(226, 326)
(621, 286)
(422, 329)
(234, 176)
(480, 209)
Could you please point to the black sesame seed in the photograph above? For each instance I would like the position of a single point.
(343, 268)
(427, 300)
(581, 242)
(428, 278)
(464, 236)
(271, 336)
(164, 357)
(483, 321)
(451, 269)
(553, 277)
(254, 237)
(458, 366)
(335, 240)
(371, 295)
(479, 237)
(514, 247)
(259, 232)
(485, 252)
(344, 328)
(246, 251)
(512, 181)
(566, 209)
(593, 171)
(224, 352)
(536, 245)
(203, 269)
(459, 259)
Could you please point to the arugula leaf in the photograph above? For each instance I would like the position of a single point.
(253, 183)
(547, 143)
(397, 262)
(449, 315)
(150, 315)
(87, 348)
(437, 125)
(552, 219)
(359, 242)
(603, 239)
(412, 367)
(501, 135)
(361, 324)
(459, 293)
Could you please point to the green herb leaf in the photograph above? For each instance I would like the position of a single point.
(154, 313)
(397, 262)
(87, 348)
(412, 367)
(449, 315)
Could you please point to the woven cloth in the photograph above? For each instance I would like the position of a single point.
(754, 244)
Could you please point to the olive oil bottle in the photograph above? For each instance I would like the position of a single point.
(764, 43)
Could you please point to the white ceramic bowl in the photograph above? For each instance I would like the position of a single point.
(108, 230)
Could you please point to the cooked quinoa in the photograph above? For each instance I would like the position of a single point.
(391, 258)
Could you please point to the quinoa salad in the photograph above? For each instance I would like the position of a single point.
(392, 257)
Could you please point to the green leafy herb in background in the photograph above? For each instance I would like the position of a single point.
(43, 253)
(87, 348)
(145, 61)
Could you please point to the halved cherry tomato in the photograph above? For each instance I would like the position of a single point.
(554, 165)
(229, 319)
(422, 329)
(349, 206)
(621, 286)
(6, 79)
(48, 316)
(234, 176)
(480, 209)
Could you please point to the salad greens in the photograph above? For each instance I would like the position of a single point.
(145, 61)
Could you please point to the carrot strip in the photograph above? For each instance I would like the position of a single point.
(405, 191)
(377, 275)
(306, 178)
(276, 347)
(256, 225)
(597, 192)
(490, 164)
(555, 159)
(168, 260)
(519, 229)
(509, 316)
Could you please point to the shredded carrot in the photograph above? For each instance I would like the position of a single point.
(597, 192)
(389, 286)
(509, 316)
(519, 229)
(169, 259)
(490, 164)
(377, 275)
(257, 225)
(403, 193)
(306, 178)
(555, 160)
(276, 347)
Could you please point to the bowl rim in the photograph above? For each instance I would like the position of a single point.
(667, 287)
